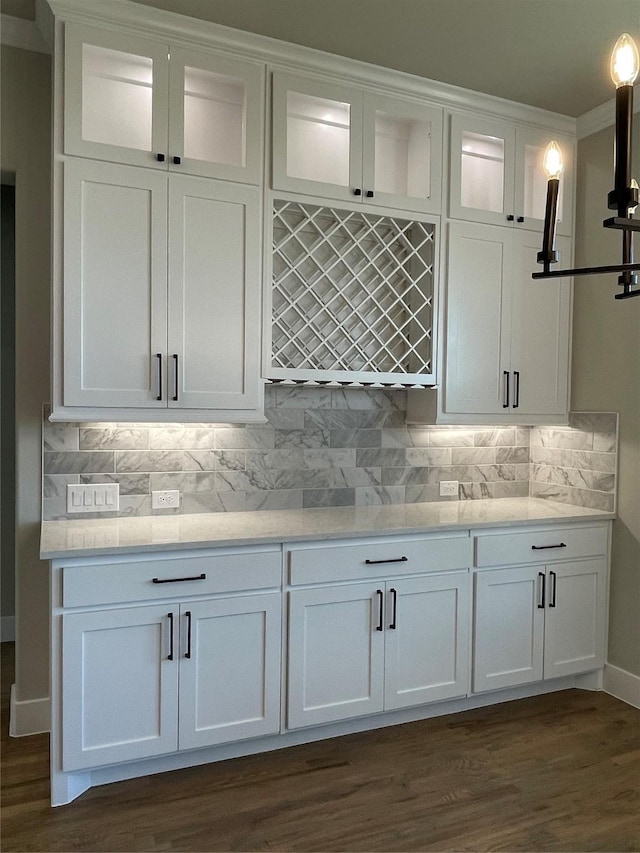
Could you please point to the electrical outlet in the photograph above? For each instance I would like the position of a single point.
(166, 499)
(448, 488)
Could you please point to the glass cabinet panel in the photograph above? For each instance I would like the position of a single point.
(482, 172)
(215, 114)
(117, 89)
(318, 139)
(402, 155)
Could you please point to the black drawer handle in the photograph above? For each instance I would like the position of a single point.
(394, 618)
(187, 654)
(170, 618)
(380, 625)
(201, 577)
(541, 576)
(392, 560)
(547, 547)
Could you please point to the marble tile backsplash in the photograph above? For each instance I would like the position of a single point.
(326, 447)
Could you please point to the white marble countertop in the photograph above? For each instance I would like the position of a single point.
(95, 537)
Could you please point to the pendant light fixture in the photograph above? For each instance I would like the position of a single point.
(624, 196)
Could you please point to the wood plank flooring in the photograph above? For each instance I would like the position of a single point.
(556, 772)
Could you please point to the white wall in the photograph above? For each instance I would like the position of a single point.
(26, 151)
(606, 377)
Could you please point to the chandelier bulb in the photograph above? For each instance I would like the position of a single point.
(624, 61)
(552, 162)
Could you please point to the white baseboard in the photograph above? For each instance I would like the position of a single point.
(622, 684)
(7, 629)
(31, 717)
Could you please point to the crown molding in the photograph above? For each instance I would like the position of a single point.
(18, 32)
(169, 26)
(603, 116)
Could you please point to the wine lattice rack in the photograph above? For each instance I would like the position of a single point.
(352, 297)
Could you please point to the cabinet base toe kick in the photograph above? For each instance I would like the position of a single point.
(68, 786)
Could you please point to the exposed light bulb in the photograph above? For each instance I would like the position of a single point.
(624, 61)
(552, 162)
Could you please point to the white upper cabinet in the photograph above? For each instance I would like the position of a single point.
(343, 143)
(141, 102)
(497, 175)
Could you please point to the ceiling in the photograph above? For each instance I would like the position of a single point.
(552, 54)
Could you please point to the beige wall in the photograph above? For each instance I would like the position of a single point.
(606, 377)
(26, 151)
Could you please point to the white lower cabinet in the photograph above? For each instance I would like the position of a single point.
(146, 680)
(362, 648)
(540, 621)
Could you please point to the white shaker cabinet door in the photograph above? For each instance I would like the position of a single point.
(477, 317)
(229, 669)
(214, 294)
(336, 653)
(540, 323)
(427, 639)
(575, 622)
(115, 285)
(120, 675)
(508, 627)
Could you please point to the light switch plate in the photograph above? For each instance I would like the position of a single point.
(93, 497)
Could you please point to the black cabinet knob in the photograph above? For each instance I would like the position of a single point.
(521, 219)
(369, 193)
(357, 191)
(510, 217)
(177, 160)
(160, 158)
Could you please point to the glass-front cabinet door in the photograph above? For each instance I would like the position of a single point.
(497, 176)
(402, 154)
(144, 103)
(215, 116)
(317, 138)
(531, 181)
(115, 105)
(482, 173)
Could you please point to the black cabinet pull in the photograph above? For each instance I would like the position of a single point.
(552, 591)
(175, 376)
(170, 655)
(520, 219)
(187, 654)
(541, 599)
(380, 625)
(201, 577)
(516, 390)
(394, 614)
(505, 404)
(392, 560)
(369, 193)
(510, 217)
(177, 160)
(547, 547)
(159, 374)
(160, 158)
(357, 191)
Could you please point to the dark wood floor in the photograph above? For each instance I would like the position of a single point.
(558, 772)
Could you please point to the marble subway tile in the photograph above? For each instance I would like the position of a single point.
(328, 497)
(523, 435)
(55, 485)
(263, 460)
(201, 501)
(405, 476)
(229, 460)
(183, 481)
(504, 436)
(284, 499)
(356, 438)
(245, 438)
(377, 495)
(54, 508)
(136, 505)
(202, 460)
(149, 460)
(182, 438)
(360, 476)
(422, 494)
(130, 484)
(80, 462)
(301, 438)
(473, 455)
(452, 437)
(563, 439)
(368, 398)
(426, 456)
(285, 418)
(302, 397)
(332, 458)
(605, 442)
(592, 461)
(60, 437)
(386, 457)
(406, 437)
(242, 481)
(346, 419)
(113, 438)
(604, 422)
(512, 455)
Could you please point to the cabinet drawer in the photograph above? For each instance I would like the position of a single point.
(540, 546)
(225, 571)
(377, 558)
